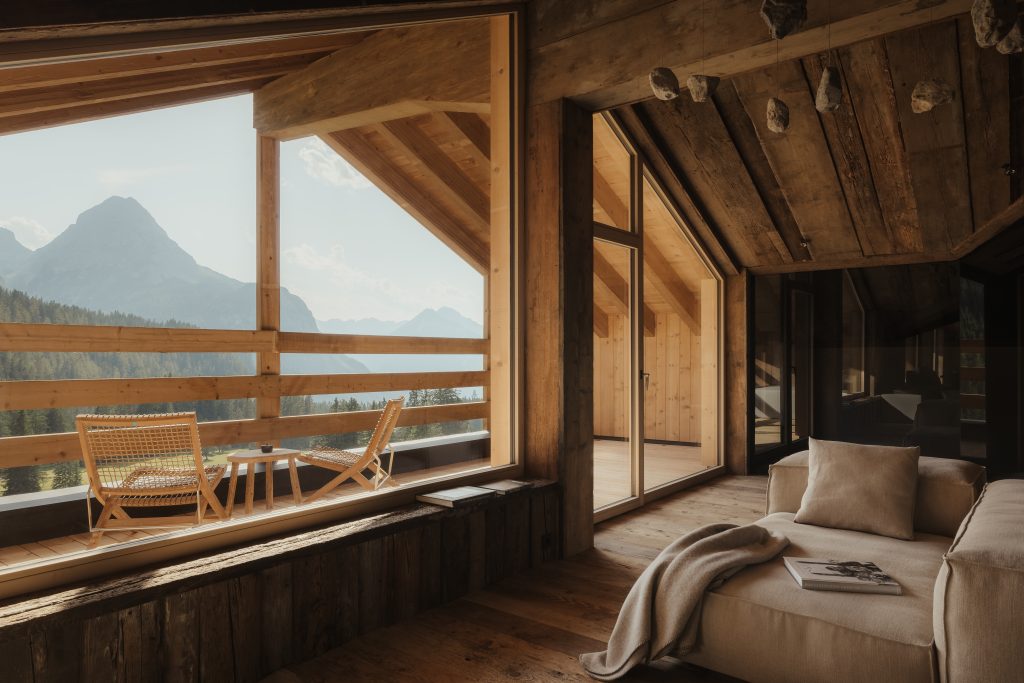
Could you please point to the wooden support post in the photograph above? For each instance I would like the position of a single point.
(736, 380)
(268, 264)
(709, 373)
(560, 311)
(499, 273)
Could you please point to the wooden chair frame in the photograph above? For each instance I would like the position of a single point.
(118, 497)
(370, 459)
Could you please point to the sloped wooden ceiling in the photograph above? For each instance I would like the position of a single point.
(871, 183)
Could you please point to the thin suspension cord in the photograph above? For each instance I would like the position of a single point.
(702, 34)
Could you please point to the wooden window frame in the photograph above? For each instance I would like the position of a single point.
(503, 412)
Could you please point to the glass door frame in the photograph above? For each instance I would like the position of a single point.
(758, 460)
(631, 239)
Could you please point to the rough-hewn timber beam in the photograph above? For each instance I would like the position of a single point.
(369, 161)
(473, 128)
(389, 75)
(604, 195)
(607, 66)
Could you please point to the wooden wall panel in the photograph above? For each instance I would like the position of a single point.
(673, 397)
(243, 614)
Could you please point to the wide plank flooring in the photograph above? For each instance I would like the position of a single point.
(532, 627)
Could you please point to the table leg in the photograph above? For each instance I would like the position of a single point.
(296, 491)
(232, 486)
(268, 475)
(250, 484)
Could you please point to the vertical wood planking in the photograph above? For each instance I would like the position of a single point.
(735, 399)
(141, 633)
(64, 638)
(16, 655)
(179, 651)
(103, 657)
(372, 599)
(499, 278)
(455, 557)
(430, 566)
(311, 618)
(216, 656)
(245, 620)
(268, 261)
(275, 643)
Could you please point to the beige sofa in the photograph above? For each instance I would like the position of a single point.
(960, 619)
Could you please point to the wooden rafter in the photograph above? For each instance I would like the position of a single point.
(606, 198)
(34, 101)
(662, 275)
(449, 179)
(617, 289)
(130, 105)
(601, 324)
(473, 128)
(391, 74)
(369, 161)
(85, 71)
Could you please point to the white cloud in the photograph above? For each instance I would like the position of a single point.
(114, 178)
(333, 288)
(325, 165)
(30, 233)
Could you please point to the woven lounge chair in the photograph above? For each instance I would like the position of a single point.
(352, 464)
(146, 461)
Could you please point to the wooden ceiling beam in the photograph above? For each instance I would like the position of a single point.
(676, 184)
(92, 112)
(601, 324)
(84, 71)
(370, 161)
(663, 276)
(604, 195)
(473, 128)
(1008, 217)
(607, 65)
(449, 179)
(390, 75)
(25, 102)
(617, 289)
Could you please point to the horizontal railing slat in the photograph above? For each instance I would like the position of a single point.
(40, 449)
(98, 338)
(76, 393)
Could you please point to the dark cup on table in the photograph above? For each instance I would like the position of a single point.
(267, 447)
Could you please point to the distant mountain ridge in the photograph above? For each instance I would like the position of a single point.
(430, 322)
(117, 258)
(12, 252)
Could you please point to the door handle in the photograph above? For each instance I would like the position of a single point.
(646, 377)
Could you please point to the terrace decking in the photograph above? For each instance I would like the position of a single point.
(56, 548)
(532, 627)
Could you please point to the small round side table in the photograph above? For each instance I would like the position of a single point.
(251, 459)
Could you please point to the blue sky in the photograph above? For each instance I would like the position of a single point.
(347, 249)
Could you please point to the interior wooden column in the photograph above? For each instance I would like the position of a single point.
(559, 409)
(268, 263)
(736, 379)
(499, 277)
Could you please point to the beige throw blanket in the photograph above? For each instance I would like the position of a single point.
(661, 614)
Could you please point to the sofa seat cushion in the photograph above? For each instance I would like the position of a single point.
(761, 626)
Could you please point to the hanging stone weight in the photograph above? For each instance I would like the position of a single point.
(701, 87)
(664, 83)
(783, 16)
(830, 91)
(1013, 42)
(992, 19)
(778, 115)
(930, 94)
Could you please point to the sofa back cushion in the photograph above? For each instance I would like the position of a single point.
(979, 592)
(946, 490)
(862, 488)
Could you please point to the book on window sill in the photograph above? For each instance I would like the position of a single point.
(457, 497)
(506, 486)
(841, 575)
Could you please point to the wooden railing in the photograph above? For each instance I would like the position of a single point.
(41, 449)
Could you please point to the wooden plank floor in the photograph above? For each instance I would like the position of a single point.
(533, 626)
(662, 463)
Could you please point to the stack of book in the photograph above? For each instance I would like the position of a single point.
(463, 495)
